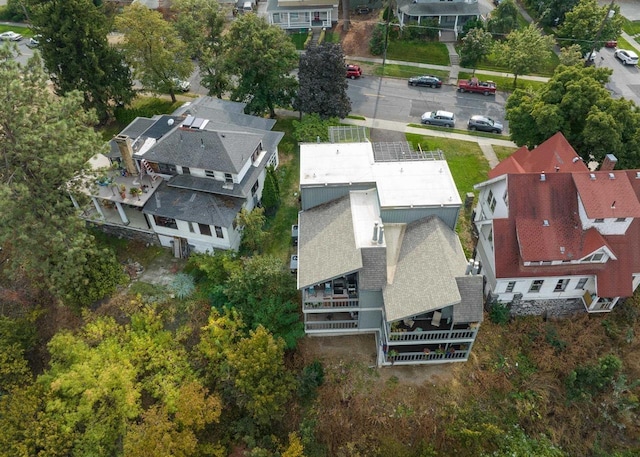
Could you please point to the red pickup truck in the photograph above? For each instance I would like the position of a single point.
(474, 85)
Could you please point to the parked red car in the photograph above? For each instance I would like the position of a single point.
(353, 71)
(611, 44)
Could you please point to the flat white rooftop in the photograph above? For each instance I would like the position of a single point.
(403, 183)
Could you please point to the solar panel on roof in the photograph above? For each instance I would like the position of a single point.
(197, 123)
(188, 121)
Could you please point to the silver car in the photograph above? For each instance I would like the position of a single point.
(444, 118)
(10, 36)
(484, 124)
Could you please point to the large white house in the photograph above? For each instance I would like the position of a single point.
(377, 252)
(181, 179)
(302, 14)
(556, 237)
(450, 14)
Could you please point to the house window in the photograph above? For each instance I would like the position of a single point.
(598, 221)
(209, 173)
(186, 171)
(490, 237)
(561, 285)
(219, 233)
(595, 257)
(621, 219)
(582, 283)
(204, 229)
(167, 222)
(167, 169)
(191, 228)
(228, 178)
(510, 286)
(489, 196)
(491, 201)
(254, 189)
(276, 18)
(536, 285)
(293, 16)
(505, 197)
(255, 155)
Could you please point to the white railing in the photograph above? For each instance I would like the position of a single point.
(422, 357)
(433, 335)
(331, 325)
(332, 303)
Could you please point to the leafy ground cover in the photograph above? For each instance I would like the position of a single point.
(418, 51)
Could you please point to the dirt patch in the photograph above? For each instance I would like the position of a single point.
(355, 41)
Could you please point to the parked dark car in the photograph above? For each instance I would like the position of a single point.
(484, 124)
(426, 80)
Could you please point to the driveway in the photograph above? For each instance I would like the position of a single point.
(629, 8)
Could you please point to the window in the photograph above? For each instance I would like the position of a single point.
(209, 173)
(255, 154)
(165, 222)
(621, 219)
(490, 237)
(595, 257)
(491, 200)
(505, 197)
(186, 171)
(204, 229)
(219, 233)
(276, 18)
(536, 285)
(582, 283)
(561, 285)
(489, 196)
(228, 178)
(254, 189)
(167, 169)
(598, 221)
(293, 16)
(191, 228)
(510, 286)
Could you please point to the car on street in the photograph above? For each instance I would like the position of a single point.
(591, 56)
(626, 57)
(353, 71)
(426, 80)
(180, 85)
(443, 118)
(10, 36)
(484, 124)
(611, 44)
(34, 42)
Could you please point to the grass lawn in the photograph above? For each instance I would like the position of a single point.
(546, 69)
(298, 39)
(24, 31)
(461, 131)
(624, 44)
(503, 151)
(332, 37)
(418, 51)
(397, 71)
(504, 83)
(631, 27)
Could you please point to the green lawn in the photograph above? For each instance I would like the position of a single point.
(504, 83)
(24, 31)
(298, 39)
(332, 37)
(418, 51)
(461, 131)
(547, 68)
(631, 27)
(624, 44)
(503, 151)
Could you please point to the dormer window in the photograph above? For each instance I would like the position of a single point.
(598, 221)
(256, 154)
(228, 178)
(595, 258)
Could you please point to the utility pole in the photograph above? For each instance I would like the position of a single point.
(610, 13)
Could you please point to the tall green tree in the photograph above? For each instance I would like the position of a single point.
(504, 19)
(571, 55)
(77, 55)
(524, 51)
(154, 50)
(252, 226)
(46, 142)
(262, 57)
(576, 103)
(476, 45)
(588, 22)
(323, 86)
(271, 192)
(200, 24)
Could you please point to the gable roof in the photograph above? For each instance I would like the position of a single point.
(554, 152)
(607, 194)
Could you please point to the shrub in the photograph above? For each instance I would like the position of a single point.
(311, 377)
(182, 285)
(585, 382)
(499, 313)
(376, 44)
(312, 127)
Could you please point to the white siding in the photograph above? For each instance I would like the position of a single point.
(608, 227)
(547, 292)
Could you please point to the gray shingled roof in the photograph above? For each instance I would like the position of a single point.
(193, 206)
(438, 8)
(133, 130)
(204, 149)
(470, 308)
(224, 111)
(430, 260)
(326, 243)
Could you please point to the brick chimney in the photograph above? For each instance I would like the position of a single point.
(609, 162)
(126, 151)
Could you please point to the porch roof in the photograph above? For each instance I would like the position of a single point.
(438, 8)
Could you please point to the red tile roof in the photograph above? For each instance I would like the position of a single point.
(607, 194)
(555, 152)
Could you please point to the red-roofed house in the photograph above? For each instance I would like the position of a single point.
(555, 237)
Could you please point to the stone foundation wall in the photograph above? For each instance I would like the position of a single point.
(125, 232)
(548, 308)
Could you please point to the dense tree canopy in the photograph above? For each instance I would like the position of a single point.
(77, 55)
(154, 50)
(323, 86)
(586, 21)
(524, 51)
(46, 142)
(551, 12)
(576, 103)
(504, 18)
(262, 57)
(476, 45)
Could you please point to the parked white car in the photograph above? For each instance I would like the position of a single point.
(10, 36)
(626, 57)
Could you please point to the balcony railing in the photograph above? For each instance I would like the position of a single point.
(331, 325)
(421, 357)
(433, 335)
(331, 302)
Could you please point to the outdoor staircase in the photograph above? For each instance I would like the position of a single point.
(314, 37)
(147, 170)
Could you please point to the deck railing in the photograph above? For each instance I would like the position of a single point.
(433, 335)
(432, 356)
(331, 325)
(329, 302)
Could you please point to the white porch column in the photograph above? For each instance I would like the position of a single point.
(97, 206)
(122, 214)
(455, 27)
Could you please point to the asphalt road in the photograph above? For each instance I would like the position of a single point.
(625, 80)
(394, 100)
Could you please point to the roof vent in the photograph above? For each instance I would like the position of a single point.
(557, 168)
(637, 174)
(613, 205)
(545, 223)
(612, 176)
(543, 177)
(561, 249)
(575, 159)
(592, 176)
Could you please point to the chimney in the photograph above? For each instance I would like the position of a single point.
(126, 151)
(609, 162)
(469, 267)
(375, 233)
(476, 268)
(381, 234)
